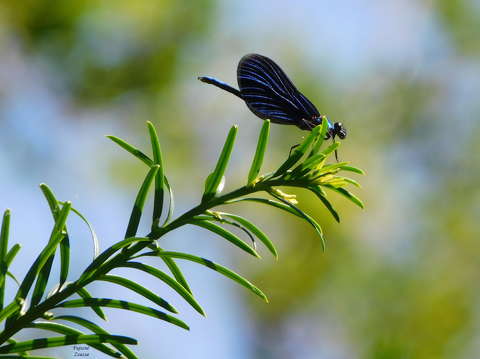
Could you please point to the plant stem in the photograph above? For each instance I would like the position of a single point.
(124, 255)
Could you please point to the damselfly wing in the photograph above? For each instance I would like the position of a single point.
(269, 94)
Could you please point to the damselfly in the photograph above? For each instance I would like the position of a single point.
(270, 94)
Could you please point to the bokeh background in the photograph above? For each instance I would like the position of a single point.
(399, 279)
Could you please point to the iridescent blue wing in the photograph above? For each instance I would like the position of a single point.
(270, 94)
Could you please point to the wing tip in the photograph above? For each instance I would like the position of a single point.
(251, 55)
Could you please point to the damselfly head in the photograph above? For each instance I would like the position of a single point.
(339, 130)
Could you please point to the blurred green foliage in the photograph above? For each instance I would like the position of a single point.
(105, 49)
(462, 20)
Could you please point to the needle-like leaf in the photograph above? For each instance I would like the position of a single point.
(320, 138)
(85, 294)
(133, 150)
(177, 273)
(159, 178)
(4, 233)
(353, 169)
(299, 152)
(55, 238)
(321, 196)
(10, 309)
(65, 329)
(255, 230)
(172, 283)
(40, 343)
(97, 330)
(137, 288)
(330, 149)
(9, 274)
(42, 279)
(212, 265)
(346, 194)
(302, 214)
(122, 304)
(223, 220)
(140, 202)
(108, 253)
(213, 181)
(290, 208)
(260, 152)
(11, 254)
(229, 236)
(171, 204)
(93, 235)
(306, 167)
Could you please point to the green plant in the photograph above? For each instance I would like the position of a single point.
(32, 307)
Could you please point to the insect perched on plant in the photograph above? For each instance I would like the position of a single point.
(270, 94)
